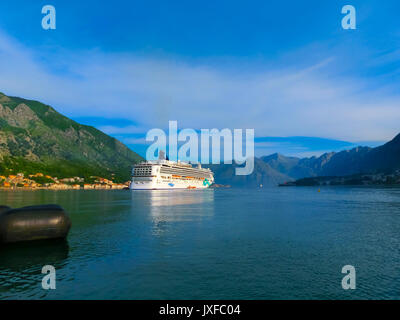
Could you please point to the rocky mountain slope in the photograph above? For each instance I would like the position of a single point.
(34, 137)
(277, 168)
(360, 160)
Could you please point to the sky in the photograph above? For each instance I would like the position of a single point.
(286, 69)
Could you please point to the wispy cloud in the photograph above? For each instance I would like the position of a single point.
(312, 100)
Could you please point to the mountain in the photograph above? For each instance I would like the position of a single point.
(291, 166)
(385, 158)
(263, 174)
(36, 138)
(329, 164)
(359, 160)
(281, 163)
(276, 168)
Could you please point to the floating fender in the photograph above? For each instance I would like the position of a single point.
(33, 223)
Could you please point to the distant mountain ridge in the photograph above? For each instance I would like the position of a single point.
(34, 137)
(276, 168)
(263, 174)
(359, 160)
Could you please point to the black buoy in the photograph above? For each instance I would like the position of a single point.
(33, 223)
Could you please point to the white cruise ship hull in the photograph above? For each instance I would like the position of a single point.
(154, 185)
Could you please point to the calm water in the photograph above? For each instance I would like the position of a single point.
(271, 243)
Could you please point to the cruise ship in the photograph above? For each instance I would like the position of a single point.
(166, 174)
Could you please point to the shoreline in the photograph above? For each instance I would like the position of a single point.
(60, 189)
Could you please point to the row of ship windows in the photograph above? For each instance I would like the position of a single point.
(170, 170)
(189, 174)
(182, 178)
(148, 172)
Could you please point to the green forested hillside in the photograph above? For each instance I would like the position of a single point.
(36, 138)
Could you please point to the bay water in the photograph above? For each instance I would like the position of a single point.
(266, 243)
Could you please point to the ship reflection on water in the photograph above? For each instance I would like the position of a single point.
(179, 205)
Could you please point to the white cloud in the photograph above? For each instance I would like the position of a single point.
(306, 101)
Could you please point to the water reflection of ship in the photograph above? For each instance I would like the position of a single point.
(182, 205)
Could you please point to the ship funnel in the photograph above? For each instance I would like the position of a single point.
(199, 165)
(161, 155)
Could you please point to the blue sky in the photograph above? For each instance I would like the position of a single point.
(285, 68)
